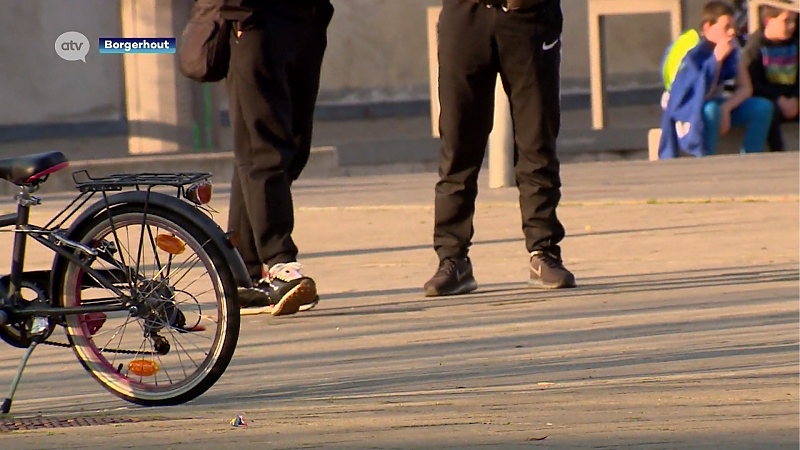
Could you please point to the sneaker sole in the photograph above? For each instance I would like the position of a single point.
(258, 310)
(540, 285)
(462, 289)
(309, 306)
(304, 293)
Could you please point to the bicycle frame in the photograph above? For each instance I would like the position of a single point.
(23, 230)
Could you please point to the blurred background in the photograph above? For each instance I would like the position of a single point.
(375, 94)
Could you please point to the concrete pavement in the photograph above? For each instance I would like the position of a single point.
(682, 334)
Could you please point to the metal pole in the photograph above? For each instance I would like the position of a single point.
(501, 142)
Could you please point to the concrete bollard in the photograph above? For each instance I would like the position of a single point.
(501, 142)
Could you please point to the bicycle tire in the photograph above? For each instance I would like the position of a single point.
(69, 282)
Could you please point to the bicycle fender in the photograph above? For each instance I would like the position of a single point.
(156, 199)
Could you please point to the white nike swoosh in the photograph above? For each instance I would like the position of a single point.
(546, 46)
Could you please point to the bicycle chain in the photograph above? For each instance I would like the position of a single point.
(125, 352)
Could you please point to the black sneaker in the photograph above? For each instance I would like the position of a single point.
(282, 291)
(290, 289)
(548, 272)
(256, 299)
(453, 277)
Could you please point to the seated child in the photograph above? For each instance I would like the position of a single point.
(771, 56)
(699, 105)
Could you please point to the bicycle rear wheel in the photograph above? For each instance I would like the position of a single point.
(181, 335)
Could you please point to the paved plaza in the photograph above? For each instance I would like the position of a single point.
(682, 334)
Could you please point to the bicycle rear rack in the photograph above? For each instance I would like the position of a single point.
(116, 182)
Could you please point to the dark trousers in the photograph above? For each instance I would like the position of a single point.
(775, 136)
(475, 44)
(273, 84)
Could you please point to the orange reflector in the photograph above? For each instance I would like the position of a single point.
(170, 244)
(143, 367)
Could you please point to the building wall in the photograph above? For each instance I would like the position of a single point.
(37, 85)
(377, 52)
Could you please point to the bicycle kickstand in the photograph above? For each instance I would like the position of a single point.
(6, 407)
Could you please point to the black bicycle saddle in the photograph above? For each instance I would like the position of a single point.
(28, 169)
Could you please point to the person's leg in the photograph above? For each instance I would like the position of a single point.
(260, 62)
(238, 218)
(304, 79)
(305, 82)
(238, 215)
(712, 112)
(529, 46)
(755, 114)
(239, 223)
(259, 76)
(467, 76)
(774, 135)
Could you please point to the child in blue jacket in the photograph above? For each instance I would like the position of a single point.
(699, 107)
